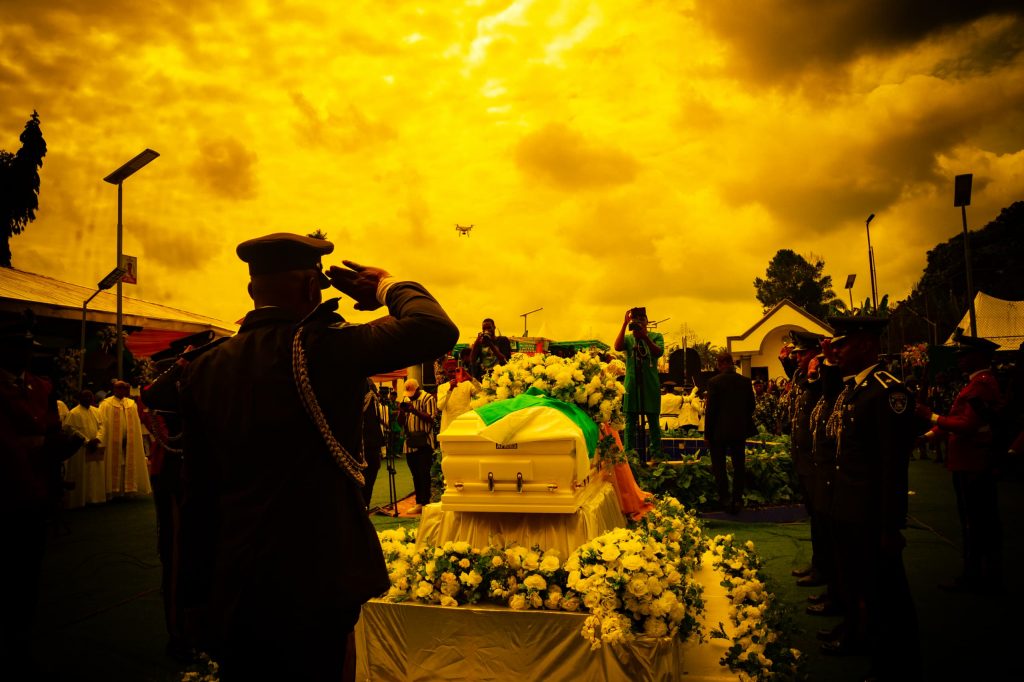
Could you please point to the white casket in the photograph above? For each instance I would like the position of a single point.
(532, 460)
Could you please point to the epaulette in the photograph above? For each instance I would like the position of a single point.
(196, 352)
(887, 380)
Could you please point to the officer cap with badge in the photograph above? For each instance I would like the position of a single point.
(284, 252)
(861, 324)
(805, 341)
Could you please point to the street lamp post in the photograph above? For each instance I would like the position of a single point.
(113, 276)
(117, 178)
(524, 316)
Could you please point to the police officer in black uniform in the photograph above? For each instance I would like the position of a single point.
(804, 395)
(874, 425)
(276, 543)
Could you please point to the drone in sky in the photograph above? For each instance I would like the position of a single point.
(463, 229)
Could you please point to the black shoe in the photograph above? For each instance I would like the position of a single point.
(829, 634)
(841, 647)
(810, 581)
(801, 572)
(819, 598)
(823, 609)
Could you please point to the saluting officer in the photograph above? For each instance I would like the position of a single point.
(972, 462)
(276, 542)
(873, 424)
(804, 395)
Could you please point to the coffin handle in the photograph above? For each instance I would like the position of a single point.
(519, 482)
(490, 481)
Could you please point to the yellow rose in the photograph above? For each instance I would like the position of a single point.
(518, 602)
(535, 582)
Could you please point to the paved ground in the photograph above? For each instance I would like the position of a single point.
(100, 616)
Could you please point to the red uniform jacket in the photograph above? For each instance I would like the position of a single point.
(969, 424)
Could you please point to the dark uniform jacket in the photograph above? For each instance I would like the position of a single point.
(874, 440)
(805, 397)
(969, 424)
(730, 408)
(823, 446)
(273, 528)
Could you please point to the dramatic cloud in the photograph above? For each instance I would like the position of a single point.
(609, 153)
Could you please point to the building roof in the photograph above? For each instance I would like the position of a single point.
(999, 321)
(49, 297)
(784, 313)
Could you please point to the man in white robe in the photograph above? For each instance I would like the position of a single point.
(120, 437)
(86, 467)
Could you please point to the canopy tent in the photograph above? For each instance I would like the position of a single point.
(999, 321)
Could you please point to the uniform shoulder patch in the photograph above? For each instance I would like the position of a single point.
(898, 401)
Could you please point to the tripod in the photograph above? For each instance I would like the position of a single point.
(640, 424)
(389, 459)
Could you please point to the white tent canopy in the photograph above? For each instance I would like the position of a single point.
(999, 321)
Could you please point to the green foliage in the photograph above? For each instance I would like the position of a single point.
(791, 276)
(770, 479)
(19, 185)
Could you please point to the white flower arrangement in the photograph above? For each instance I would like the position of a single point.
(757, 652)
(635, 583)
(584, 379)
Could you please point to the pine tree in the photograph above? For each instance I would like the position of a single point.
(19, 185)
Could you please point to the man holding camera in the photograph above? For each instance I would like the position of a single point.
(489, 350)
(642, 401)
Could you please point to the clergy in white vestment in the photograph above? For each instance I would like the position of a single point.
(691, 413)
(454, 396)
(86, 467)
(121, 439)
(670, 403)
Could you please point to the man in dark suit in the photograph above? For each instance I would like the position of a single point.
(276, 543)
(874, 426)
(728, 421)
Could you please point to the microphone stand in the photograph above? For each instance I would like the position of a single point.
(640, 420)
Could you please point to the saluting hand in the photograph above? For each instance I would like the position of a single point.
(358, 282)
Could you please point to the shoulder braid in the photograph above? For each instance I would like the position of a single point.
(352, 466)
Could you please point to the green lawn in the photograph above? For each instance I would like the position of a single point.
(100, 615)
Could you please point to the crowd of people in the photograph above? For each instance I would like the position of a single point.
(262, 452)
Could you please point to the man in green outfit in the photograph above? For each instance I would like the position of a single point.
(642, 401)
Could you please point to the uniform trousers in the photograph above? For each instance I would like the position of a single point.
(978, 507)
(736, 450)
(876, 600)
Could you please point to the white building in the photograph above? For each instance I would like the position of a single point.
(756, 351)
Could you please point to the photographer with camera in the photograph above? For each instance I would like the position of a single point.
(489, 350)
(642, 402)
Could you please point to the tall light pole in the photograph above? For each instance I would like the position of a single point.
(113, 276)
(962, 198)
(524, 316)
(871, 264)
(117, 178)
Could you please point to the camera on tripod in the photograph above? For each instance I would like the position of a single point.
(636, 314)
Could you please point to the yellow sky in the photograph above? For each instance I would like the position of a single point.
(610, 153)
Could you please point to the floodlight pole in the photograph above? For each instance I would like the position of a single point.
(962, 198)
(871, 265)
